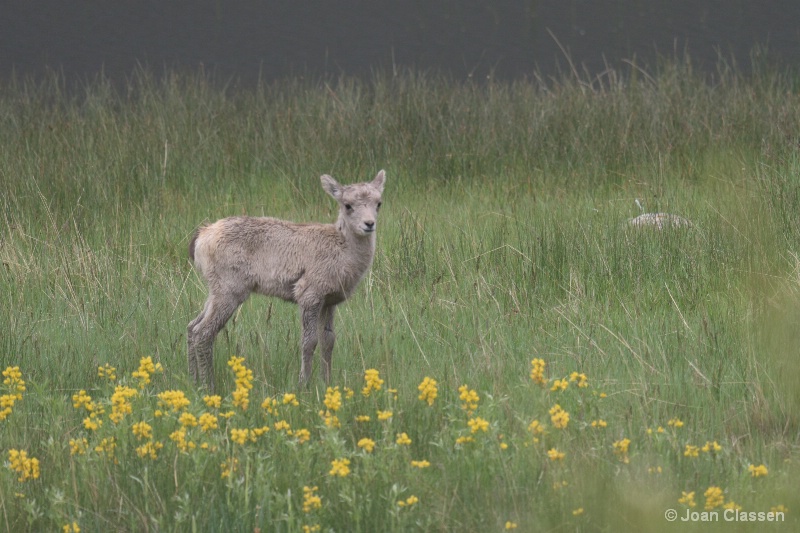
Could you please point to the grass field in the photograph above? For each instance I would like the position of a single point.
(670, 377)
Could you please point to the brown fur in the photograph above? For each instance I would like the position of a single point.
(316, 266)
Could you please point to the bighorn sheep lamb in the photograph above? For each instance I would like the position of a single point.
(316, 266)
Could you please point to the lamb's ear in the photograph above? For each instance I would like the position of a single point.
(379, 180)
(331, 186)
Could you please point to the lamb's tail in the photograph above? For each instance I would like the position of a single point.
(193, 243)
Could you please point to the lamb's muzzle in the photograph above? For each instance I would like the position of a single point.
(316, 266)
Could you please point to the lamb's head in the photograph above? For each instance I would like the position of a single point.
(358, 203)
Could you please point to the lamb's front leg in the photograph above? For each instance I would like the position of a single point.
(308, 343)
(327, 338)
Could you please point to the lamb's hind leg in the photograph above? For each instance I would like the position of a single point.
(201, 338)
(310, 314)
(327, 338)
(191, 341)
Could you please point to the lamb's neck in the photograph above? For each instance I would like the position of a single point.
(365, 244)
(360, 248)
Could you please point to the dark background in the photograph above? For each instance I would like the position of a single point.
(245, 40)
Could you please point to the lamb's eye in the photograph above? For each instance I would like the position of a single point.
(380, 204)
(348, 207)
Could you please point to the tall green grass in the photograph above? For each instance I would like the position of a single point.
(503, 238)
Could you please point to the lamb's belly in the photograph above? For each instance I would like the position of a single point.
(284, 291)
(335, 298)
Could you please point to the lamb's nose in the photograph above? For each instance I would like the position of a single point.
(370, 224)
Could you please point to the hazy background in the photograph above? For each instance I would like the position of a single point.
(244, 40)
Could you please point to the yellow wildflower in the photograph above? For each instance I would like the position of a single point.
(675, 423)
(26, 467)
(142, 430)
(366, 444)
(71, 528)
(15, 386)
(340, 467)
(733, 506)
(469, 397)
(149, 449)
(465, 439)
(179, 438)
(373, 382)
(13, 378)
(146, 370)
(229, 466)
(120, 404)
(213, 401)
(428, 390)
(174, 399)
(282, 425)
(331, 420)
(6, 404)
(208, 422)
(240, 436)
(687, 499)
(579, 379)
(758, 471)
(555, 455)
(311, 501)
(537, 371)
(290, 399)
(362, 418)
(537, 429)
(511, 525)
(714, 498)
(244, 376)
(478, 424)
(599, 423)
(420, 464)
(270, 405)
(187, 420)
(408, 502)
(559, 417)
(384, 415)
(92, 423)
(779, 509)
(333, 399)
(302, 435)
(241, 398)
(577, 512)
(559, 384)
(402, 439)
(107, 447)
(81, 399)
(503, 445)
(244, 382)
(691, 451)
(107, 371)
(311, 528)
(78, 446)
(621, 449)
(711, 447)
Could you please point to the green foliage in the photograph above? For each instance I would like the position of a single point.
(503, 238)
